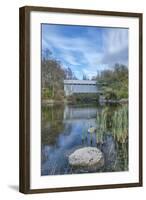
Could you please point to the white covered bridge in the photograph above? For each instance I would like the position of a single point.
(80, 86)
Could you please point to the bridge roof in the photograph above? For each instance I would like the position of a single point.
(82, 82)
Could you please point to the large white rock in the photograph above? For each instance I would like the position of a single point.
(87, 157)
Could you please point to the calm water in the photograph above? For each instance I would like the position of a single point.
(65, 129)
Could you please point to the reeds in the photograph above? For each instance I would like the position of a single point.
(120, 124)
(113, 121)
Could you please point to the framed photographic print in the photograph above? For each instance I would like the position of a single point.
(80, 99)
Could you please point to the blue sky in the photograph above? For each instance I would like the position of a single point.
(85, 49)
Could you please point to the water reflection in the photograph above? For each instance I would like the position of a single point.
(66, 128)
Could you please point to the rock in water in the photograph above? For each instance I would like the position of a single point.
(89, 158)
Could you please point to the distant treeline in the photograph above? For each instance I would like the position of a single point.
(114, 81)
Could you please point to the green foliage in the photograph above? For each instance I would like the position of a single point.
(47, 93)
(110, 94)
(114, 82)
(52, 79)
(84, 98)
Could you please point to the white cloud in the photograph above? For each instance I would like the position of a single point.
(69, 58)
(115, 40)
(85, 52)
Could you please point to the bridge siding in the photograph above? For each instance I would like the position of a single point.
(79, 86)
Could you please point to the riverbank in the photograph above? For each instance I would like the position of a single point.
(121, 101)
(70, 102)
(55, 102)
(51, 102)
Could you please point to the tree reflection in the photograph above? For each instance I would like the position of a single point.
(52, 124)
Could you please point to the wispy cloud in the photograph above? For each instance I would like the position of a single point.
(86, 49)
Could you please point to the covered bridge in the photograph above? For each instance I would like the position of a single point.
(80, 86)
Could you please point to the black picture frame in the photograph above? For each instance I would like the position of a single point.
(24, 142)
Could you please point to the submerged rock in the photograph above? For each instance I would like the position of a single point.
(89, 158)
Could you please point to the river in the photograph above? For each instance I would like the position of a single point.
(65, 129)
